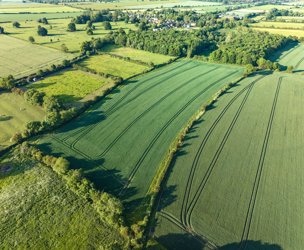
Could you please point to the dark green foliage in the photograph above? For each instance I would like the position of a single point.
(16, 24)
(43, 20)
(31, 39)
(107, 25)
(7, 82)
(167, 42)
(71, 27)
(246, 46)
(42, 31)
(2, 30)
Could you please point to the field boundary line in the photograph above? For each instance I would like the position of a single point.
(257, 179)
(202, 145)
(141, 159)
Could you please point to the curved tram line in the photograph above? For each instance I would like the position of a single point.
(187, 192)
(154, 140)
(183, 217)
(257, 180)
(121, 99)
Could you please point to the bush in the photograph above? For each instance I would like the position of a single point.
(42, 31)
(31, 39)
(71, 27)
(16, 24)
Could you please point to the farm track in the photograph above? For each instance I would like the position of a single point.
(73, 145)
(150, 108)
(201, 148)
(110, 109)
(205, 179)
(147, 150)
(299, 63)
(257, 180)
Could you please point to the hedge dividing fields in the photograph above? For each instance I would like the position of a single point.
(235, 183)
(120, 141)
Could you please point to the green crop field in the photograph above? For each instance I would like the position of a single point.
(140, 55)
(15, 112)
(38, 211)
(114, 66)
(35, 16)
(236, 180)
(132, 4)
(278, 25)
(292, 55)
(58, 34)
(284, 32)
(35, 8)
(120, 141)
(34, 57)
(71, 85)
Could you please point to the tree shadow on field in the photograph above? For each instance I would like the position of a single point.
(180, 241)
(186, 241)
(108, 180)
(251, 245)
(276, 56)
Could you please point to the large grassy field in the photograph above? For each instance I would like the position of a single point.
(279, 25)
(236, 181)
(35, 16)
(15, 112)
(35, 8)
(58, 34)
(120, 141)
(132, 4)
(71, 85)
(284, 32)
(141, 55)
(20, 58)
(292, 55)
(114, 66)
(38, 211)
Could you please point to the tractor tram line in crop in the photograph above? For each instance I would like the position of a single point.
(257, 180)
(114, 107)
(147, 150)
(73, 145)
(201, 148)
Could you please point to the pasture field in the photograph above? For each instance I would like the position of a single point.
(38, 211)
(35, 8)
(140, 5)
(235, 181)
(278, 25)
(290, 18)
(140, 55)
(108, 64)
(15, 112)
(71, 85)
(20, 58)
(285, 32)
(35, 16)
(58, 34)
(291, 56)
(120, 141)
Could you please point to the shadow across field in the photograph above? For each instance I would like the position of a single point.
(276, 56)
(185, 241)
